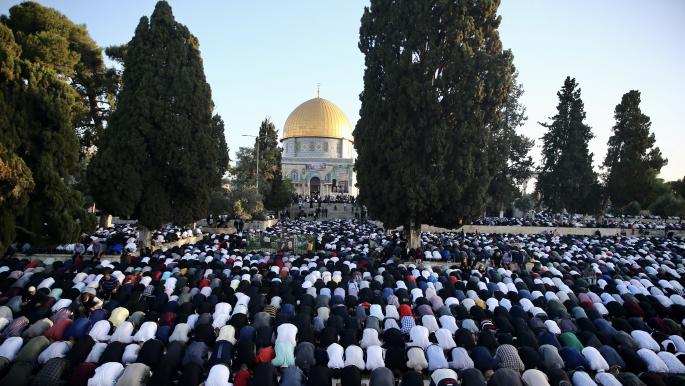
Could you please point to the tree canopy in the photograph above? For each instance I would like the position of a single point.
(40, 150)
(504, 187)
(273, 189)
(632, 160)
(431, 133)
(48, 37)
(163, 153)
(566, 179)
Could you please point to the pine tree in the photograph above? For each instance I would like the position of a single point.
(48, 37)
(16, 180)
(632, 161)
(163, 152)
(566, 179)
(430, 135)
(38, 109)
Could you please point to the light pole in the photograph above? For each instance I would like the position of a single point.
(258, 138)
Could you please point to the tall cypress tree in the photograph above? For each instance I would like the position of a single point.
(566, 179)
(269, 155)
(163, 152)
(632, 161)
(431, 132)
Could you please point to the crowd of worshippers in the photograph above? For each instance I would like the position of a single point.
(350, 312)
(549, 219)
(121, 239)
(116, 239)
(327, 199)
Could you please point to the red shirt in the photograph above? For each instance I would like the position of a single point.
(405, 310)
(265, 355)
(56, 332)
(242, 378)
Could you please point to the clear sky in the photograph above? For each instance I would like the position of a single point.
(263, 58)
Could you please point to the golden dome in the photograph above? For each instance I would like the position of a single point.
(317, 117)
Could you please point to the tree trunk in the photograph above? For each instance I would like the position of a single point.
(145, 237)
(105, 220)
(412, 233)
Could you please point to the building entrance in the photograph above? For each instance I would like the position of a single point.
(314, 186)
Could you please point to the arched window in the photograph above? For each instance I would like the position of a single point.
(328, 177)
(294, 176)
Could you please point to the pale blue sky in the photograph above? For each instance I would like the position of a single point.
(263, 58)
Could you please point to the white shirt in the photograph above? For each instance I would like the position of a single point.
(79, 277)
(391, 312)
(227, 333)
(369, 338)
(595, 359)
(287, 332)
(430, 323)
(10, 347)
(107, 374)
(62, 303)
(180, 333)
(218, 376)
(192, 320)
(644, 340)
(607, 379)
(374, 357)
(445, 340)
(654, 362)
(419, 337)
(146, 280)
(534, 377)
(100, 330)
(96, 352)
(335, 356)
(55, 350)
(376, 311)
(417, 359)
(130, 353)
(123, 333)
(552, 327)
(440, 374)
(46, 283)
(3, 323)
(449, 322)
(581, 378)
(354, 356)
(146, 332)
(675, 366)
(461, 359)
(679, 343)
(222, 312)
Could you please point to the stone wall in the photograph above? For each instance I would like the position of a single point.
(535, 230)
(189, 240)
(260, 225)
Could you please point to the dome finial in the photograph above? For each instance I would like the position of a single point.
(318, 89)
